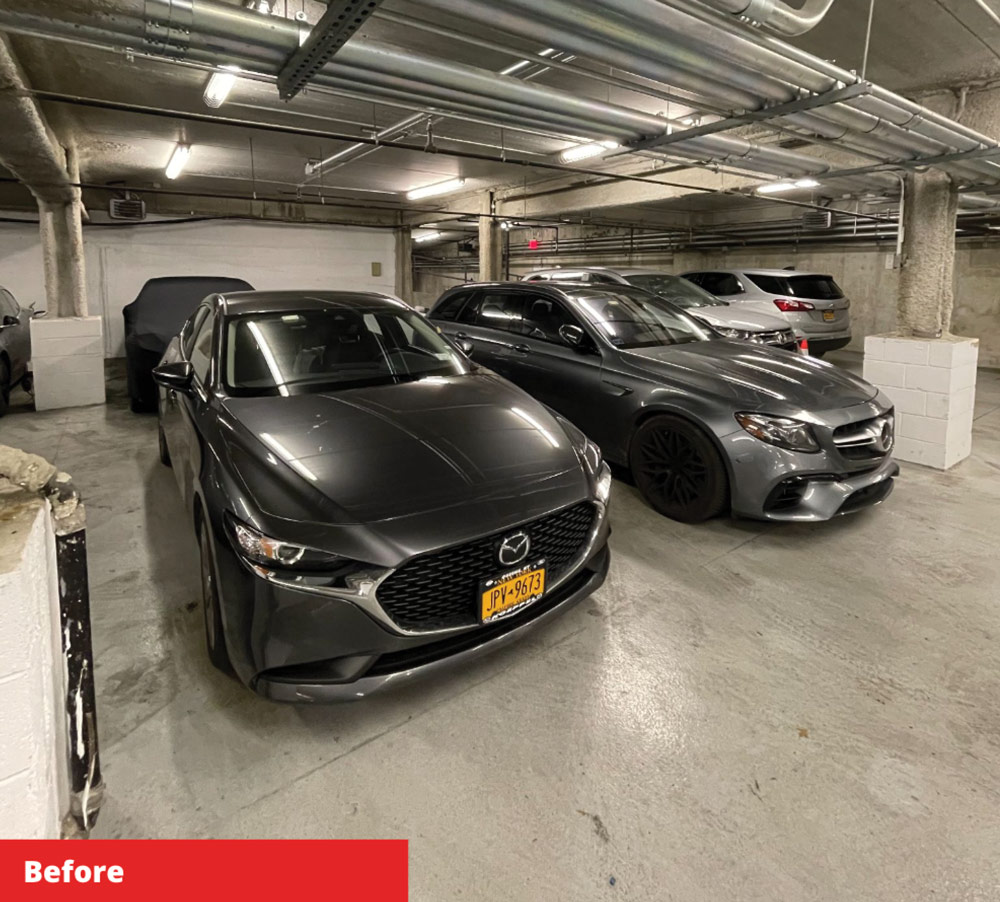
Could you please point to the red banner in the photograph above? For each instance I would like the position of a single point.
(181, 870)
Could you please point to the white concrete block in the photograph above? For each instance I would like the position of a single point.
(929, 378)
(874, 347)
(906, 350)
(925, 429)
(915, 451)
(963, 377)
(881, 373)
(68, 362)
(934, 405)
(907, 400)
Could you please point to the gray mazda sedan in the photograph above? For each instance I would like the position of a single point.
(369, 503)
(705, 424)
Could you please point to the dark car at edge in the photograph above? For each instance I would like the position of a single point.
(370, 504)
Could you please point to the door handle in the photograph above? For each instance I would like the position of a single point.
(521, 349)
(461, 335)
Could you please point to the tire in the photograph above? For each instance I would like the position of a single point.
(678, 470)
(164, 451)
(4, 386)
(215, 639)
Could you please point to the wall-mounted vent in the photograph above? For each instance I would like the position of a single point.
(817, 220)
(127, 208)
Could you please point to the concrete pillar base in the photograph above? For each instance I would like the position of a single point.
(932, 383)
(67, 361)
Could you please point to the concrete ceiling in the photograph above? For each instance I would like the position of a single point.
(915, 44)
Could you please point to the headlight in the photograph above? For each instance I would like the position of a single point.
(602, 488)
(737, 334)
(268, 552)
(781, 431)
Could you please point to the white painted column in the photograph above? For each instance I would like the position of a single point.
(67, 361)
(932, 383)
(33, 768)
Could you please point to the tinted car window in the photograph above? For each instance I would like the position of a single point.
(449, 308)
(675, 290)
(720, 283)
(469, 314)
(543, 317)
(8, 306)
(634, 321)
(503, 310)
(326, 350)
(201, 349)
(807, 286)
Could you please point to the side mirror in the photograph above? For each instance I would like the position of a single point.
(465, 346)
(422, 310)
(10, 321)
(37, 314)
(572, 335)
(176, 376)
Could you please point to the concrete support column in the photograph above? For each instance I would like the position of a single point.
(926, 290)
(929, 374)
(490, 243)
(404, 265)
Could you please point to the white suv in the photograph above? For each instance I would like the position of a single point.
(734, 322)
(812, 303)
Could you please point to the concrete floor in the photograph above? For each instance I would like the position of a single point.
(744, 711)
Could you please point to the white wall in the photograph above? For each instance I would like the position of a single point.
(267, 255)
(32, 734)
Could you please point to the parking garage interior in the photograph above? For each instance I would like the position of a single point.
(746, 708)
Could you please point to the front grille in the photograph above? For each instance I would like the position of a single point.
(865, 439)
(439, 590)
(777, 337)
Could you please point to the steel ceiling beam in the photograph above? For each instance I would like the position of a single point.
(335, 27)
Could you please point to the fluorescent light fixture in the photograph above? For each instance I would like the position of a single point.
(585, 151)
(425, 236)
(778, 187)
(432, 190)
(219, 86)
(515, 67)
(178, 160)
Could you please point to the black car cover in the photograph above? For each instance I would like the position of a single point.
(154, 318)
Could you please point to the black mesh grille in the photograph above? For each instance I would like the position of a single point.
(440, 590)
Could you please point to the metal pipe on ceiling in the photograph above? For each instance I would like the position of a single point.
(628, 32)
(776, 15)
(223, 33)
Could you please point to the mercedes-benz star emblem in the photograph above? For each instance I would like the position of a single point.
(514, 549)
(884, 441)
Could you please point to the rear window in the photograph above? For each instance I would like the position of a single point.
(820, 288)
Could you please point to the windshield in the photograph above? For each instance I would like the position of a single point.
(675, 289)
(337, 348)
(639, 321)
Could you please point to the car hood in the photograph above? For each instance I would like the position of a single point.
(402, 451)
(752, 376)
(732, 317)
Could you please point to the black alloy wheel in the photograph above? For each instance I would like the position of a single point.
(215, 640)
(678, 470)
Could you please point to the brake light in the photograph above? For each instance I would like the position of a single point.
(786, 306)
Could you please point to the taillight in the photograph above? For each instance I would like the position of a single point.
(786, 306)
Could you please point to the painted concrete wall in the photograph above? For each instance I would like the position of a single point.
(32, 737)
(267, 255)
(861, 271)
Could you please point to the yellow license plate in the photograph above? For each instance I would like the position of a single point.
(829, 315)
(500, 596)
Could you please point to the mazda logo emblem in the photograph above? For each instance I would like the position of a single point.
(514, 549)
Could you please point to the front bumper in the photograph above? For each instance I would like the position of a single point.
(771, 483)
(292, 644)
(426, 659)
